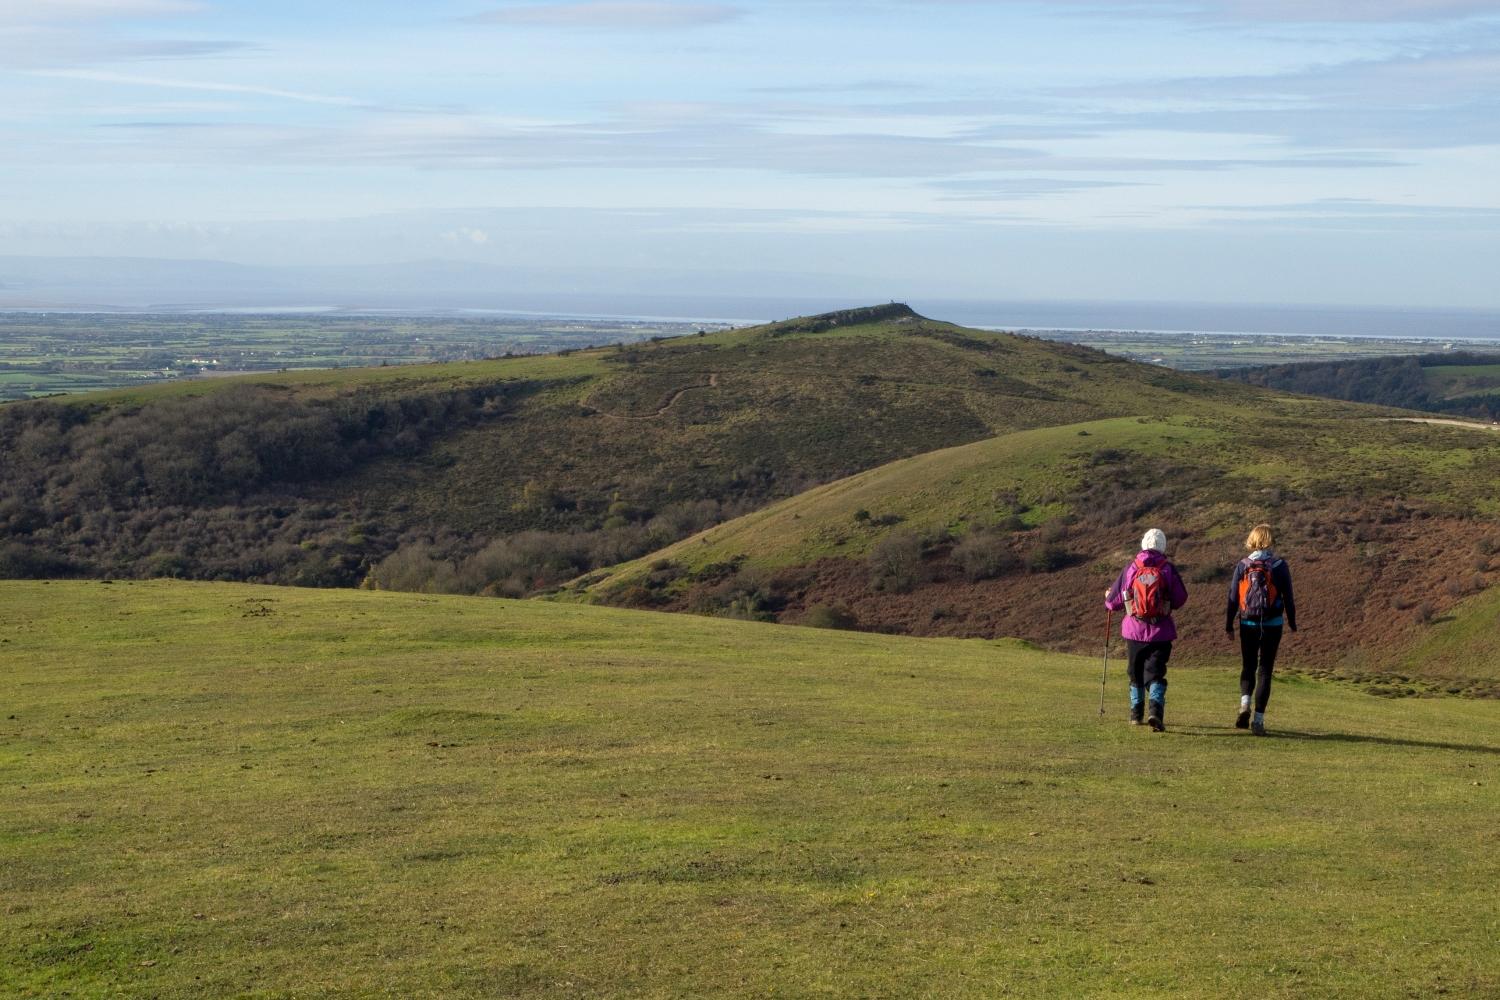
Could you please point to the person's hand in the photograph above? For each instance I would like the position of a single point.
(1106, 592)
(1229, 631)
(1294, 628)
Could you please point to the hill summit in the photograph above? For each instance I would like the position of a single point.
(516, 474)
(893, 312)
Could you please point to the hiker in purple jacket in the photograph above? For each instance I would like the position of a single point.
(1148, 591)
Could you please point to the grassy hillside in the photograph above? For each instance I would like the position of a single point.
(1473, 385)
(1461, 383)
(211, 790)
(318, 477)
(1019, 534)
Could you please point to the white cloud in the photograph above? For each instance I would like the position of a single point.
(464, 234)
(613, 15)
(38, 11)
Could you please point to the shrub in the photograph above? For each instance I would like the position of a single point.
(1046, 557)
(896, 562)
(823, 616)
(983, 556)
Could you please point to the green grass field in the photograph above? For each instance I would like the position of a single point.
(1462, 382)
(221, 790)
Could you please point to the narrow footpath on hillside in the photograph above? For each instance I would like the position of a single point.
(1471, 424)
(671, 401)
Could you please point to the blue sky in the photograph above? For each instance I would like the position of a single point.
(1296, 151)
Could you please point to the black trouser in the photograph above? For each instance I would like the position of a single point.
(1257, 661)
(1147, 662)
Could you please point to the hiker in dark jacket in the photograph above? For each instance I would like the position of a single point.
(1260, 597)
(1148, 590)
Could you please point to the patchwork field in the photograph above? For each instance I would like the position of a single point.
(48, 353)
(225, 790)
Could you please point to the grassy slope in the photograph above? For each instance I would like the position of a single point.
(740, 416)
(943, 488)
(1333, 482)
(794, 403)
(1461, 644)
(1457, 382)
(373, 794)
(1289, 444)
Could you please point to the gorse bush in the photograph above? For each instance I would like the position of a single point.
(823, 616)
(984, 555)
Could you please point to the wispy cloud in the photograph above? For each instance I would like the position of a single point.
(38, 11)
(608, 15)
(1333, 11)
(1271, 11)
(1017, 188)
(59, 33)
(709, 140)
(1359, 214)
(1432, 100)
(171, 83)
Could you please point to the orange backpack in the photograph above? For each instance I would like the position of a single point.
(1257, 588)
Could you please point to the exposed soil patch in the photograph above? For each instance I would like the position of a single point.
(1471, 424)
(1367, 583)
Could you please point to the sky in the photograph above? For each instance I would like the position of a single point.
(1263, 151)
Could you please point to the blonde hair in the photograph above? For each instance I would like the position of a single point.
(1259, 538)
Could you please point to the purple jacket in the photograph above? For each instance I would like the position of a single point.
(1164, 630)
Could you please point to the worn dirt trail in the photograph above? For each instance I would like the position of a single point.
(1471, 424)
(671, 401)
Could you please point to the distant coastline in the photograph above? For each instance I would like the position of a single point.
(1068, 319)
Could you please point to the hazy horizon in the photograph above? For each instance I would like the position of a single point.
(432, 288)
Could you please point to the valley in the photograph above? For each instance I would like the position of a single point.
(871, 469)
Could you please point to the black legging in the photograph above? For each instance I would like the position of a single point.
(1257, 661)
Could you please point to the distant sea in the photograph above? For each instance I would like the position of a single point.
(1145, 317)
(1153, 317)
(1328, 321)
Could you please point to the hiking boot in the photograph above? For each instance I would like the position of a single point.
(1242, 721)
(1157, 719)
(1137, 714)
(1258, 728)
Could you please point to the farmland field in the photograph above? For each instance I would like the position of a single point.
(46, 353)
(1208, 351)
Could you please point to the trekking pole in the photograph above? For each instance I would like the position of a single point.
(1104, 675)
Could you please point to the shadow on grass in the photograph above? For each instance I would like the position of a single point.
(1389, 741)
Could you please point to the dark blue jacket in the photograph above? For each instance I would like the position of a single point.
(1281, 577)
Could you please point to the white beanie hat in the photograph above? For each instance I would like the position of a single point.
(1154, 539)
